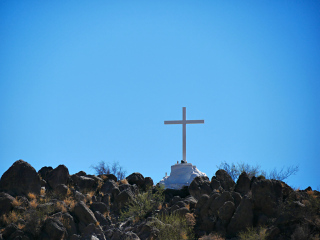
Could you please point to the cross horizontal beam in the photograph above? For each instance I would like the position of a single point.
(184, 123)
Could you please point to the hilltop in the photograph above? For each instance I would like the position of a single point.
(52, 204)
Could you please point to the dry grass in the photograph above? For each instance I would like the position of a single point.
(61, 207)
(11, 217)
(70, 202)
(124, 181)
(103, 177)
(33, 203)
(97, 223)
(32, 196)
(16, 202)
(212, 236)
(190, 218)
(100, 185)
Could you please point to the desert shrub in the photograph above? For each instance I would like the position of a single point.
(173, 227)
(115, 168)
(234, 170)
(253, 234)
(143, 204)
(212, 236)
(10, 217)
(301, 233)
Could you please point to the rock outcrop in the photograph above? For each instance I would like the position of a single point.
(20, 179)
(83, 206)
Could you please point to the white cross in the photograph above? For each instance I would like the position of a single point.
(184, 123)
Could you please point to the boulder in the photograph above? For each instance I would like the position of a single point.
(43, 172)
(123, 198)
(61, 190)
(110, 187)
(101, 219)
(243, 184)
(225, 180)
(215, 184)
(92, 231)
(136, 178)
(148, 182)
(86, 183)
(219, 201)
(266, 195)
(20, 179)
(99, 206)
(199, 186)
(53, 229)
(242, 218)
(68, 222)
(226, 211)
(6, 203)
(84, 214)
(57, 176)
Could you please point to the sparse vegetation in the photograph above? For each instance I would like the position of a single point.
(234, 170)
(253, 234)
(143, 204)
(173, 227)
(115, 168)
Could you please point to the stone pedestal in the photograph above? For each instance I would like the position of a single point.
(181, 175)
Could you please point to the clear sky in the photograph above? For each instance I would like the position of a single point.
(86, 81)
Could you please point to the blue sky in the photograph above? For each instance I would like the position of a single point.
(86, 81)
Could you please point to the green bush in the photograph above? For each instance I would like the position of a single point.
(173, 227)
(144, 204)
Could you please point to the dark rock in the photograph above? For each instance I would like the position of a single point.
(219, 201)
(61, 190)
(242, 218)
(266, 195)
(237, 198)
(99, 206)
(43, 172)
(53, 229)
(87, 183)
(136, 178)
(191, 202)
(101, 219)
(202, 201)
(123, 198)
(68, 222)
(92, 231)
(110, 187)
(78, 196)
(170, 193)
(57, 176)
(11, 228)
(20, 179)
(243, 184)
(181, 211)
(199, 186)
(111, 177)
(225, 180)
(148, 182)
(226, 212)
(215, 184)
(272, 233)
(81, 173)
(6, 203)
(84, 214)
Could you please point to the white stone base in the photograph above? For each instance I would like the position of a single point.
(182, 174)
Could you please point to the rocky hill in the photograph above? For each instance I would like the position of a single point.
(52, 204)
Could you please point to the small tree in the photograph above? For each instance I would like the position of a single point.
(115, 169)
(253, 171)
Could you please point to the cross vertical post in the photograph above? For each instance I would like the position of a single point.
(184, 134)
(184, 123)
